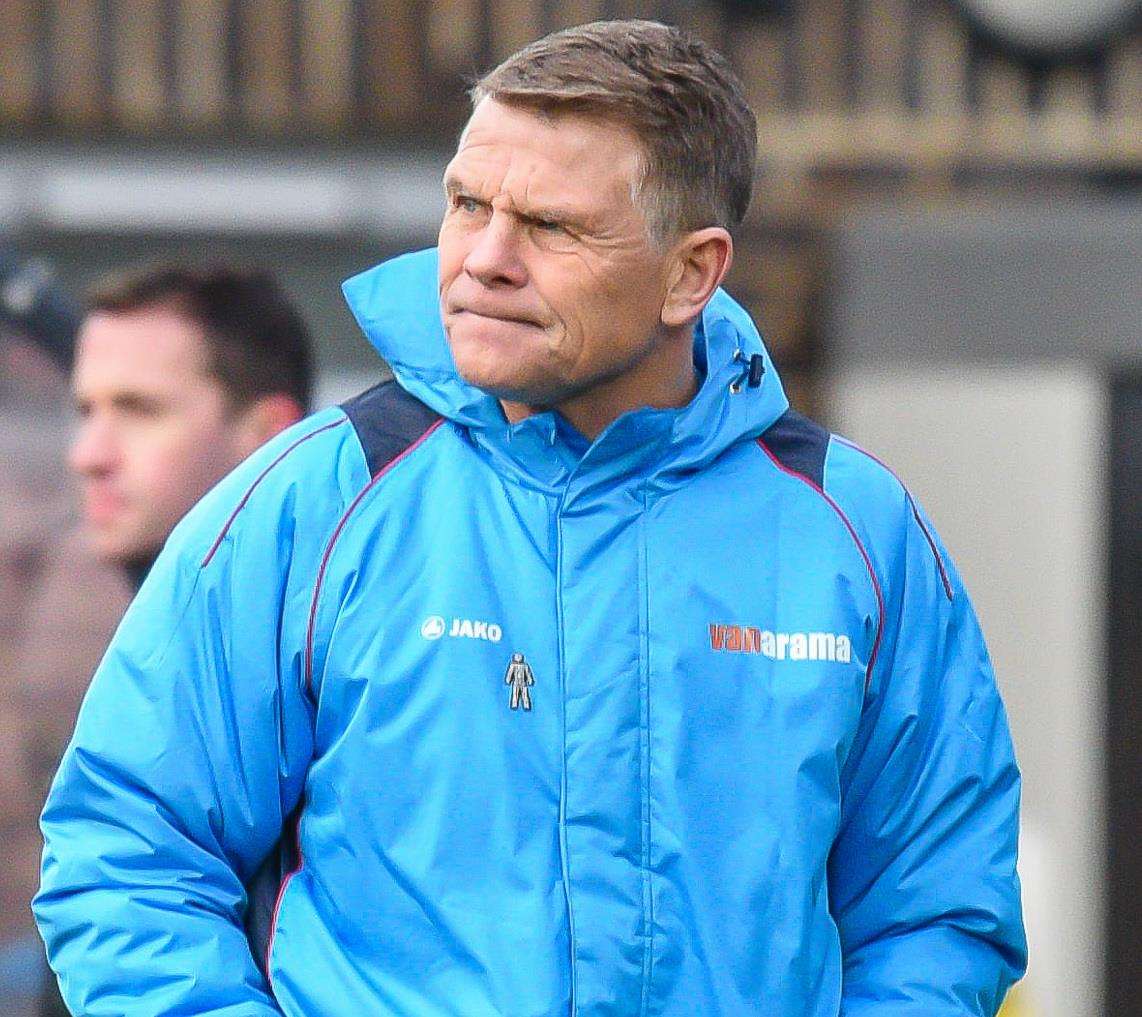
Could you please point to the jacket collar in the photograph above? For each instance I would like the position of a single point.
(397, 307)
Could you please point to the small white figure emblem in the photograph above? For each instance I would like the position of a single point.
(520, 678)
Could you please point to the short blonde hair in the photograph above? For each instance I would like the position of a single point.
(679, 97)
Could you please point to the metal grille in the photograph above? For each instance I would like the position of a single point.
(877, 79)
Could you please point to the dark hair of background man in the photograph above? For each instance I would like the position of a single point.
(258, 344)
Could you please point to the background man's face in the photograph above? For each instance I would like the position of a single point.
(155, 432)
(550, 284)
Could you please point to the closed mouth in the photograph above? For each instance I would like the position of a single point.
(509, 318)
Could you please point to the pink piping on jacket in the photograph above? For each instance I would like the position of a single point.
(856, 540)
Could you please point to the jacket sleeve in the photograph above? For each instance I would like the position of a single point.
(190, 752)
(922, 875)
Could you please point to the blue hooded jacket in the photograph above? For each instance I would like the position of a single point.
(695, 718)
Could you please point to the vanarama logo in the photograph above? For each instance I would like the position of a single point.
(781, 645)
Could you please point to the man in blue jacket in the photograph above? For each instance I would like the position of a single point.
(764, 771)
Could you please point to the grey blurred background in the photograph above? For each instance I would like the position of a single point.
(943, 253)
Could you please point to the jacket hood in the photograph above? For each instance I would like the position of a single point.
(397, 306)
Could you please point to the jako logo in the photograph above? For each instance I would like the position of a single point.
(781, 645)
(464, 628)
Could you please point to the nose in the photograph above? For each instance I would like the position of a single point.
(94, 450)
(494, 257)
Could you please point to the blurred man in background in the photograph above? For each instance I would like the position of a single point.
(179, 374)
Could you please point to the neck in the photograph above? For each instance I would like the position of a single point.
(664, 379)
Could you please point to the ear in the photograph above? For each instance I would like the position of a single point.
(701, 261)
(262, 419)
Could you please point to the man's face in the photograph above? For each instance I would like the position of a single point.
(155, 432)
(551, 286)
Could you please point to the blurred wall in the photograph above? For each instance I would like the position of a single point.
(1010, 468)
(975, 348)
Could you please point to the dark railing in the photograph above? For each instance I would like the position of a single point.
(324, 68)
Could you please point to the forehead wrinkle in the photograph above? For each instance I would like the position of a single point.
(579, 209)
(473, 170)
(514, 190)
(490, 168)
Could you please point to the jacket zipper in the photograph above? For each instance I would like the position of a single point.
(564, 859)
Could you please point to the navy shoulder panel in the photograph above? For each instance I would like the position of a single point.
(387, 420)
(799, 444)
